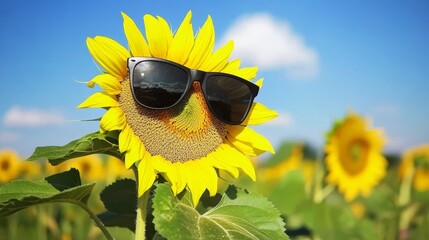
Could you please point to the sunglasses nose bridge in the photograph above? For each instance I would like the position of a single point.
(197, 75)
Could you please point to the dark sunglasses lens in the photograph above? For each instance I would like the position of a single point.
(158, 84)
(228, 98)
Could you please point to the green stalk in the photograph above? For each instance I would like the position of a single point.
(404, 199)
(141, 216)
(405, 188)
(96, 220)
(142, 204)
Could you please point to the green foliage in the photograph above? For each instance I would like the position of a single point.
(336, 221)
(120, 200)
(93, 143)
(288, 194)
(238, 215)
(62, 187)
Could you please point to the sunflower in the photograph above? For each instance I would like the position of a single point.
(292, 162)
(30, 170)
(354, 157)
(9, 165)
(186, 143)
(416, 159)
(90, 167)
(50, 169)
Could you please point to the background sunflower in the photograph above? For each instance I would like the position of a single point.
(9, 165)
(354, 157)
(416, 161)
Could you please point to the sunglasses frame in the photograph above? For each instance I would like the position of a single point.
(193, 75)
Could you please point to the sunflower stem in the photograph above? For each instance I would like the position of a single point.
(404, 199)
(323, 193)
(405, 188)
(318, 182)
(97, 221)
(142, 203)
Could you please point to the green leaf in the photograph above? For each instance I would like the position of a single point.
(120, 199)
(337, 222)
(20, 194)
(93, 143)
(421, 231)
(381, 202)
(238, 215)
(288, 195)
(65, 180)
(112, 219)
(120, 196)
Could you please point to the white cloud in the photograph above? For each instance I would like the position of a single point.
(271, 44)
(19, 117)
(283, 119)
(8, 137)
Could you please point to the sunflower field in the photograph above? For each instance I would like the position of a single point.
(176, 157)
(348, 190)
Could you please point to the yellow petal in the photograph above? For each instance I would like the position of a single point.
(113, 119)
(182, 176)
(249, 136)
(168, 170)
(160, 164)
(232, 66)
(107, 82)
(260, 82)
(203, 46)
(247, 73)
(237, 159)
(259, 114)
(221, 163)
(183, 41)
(209, 175)
(246, 148)
(163, 25)
(218, 60)
(99, 100)
(196, 183)
(157, 40)
(110, 55)
(136, 41)
(146, 175)
(125, 137)
(133, 154)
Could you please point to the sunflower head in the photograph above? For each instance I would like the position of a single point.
(354, 157)
(416, 160)
(185, 143)
(9, 165)
(90, 167)
(292, 162)
(30, 170)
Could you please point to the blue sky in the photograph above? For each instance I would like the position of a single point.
(319, 61)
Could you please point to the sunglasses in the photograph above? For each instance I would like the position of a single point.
(161, 84)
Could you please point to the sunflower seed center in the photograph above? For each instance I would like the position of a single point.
(188, 131)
